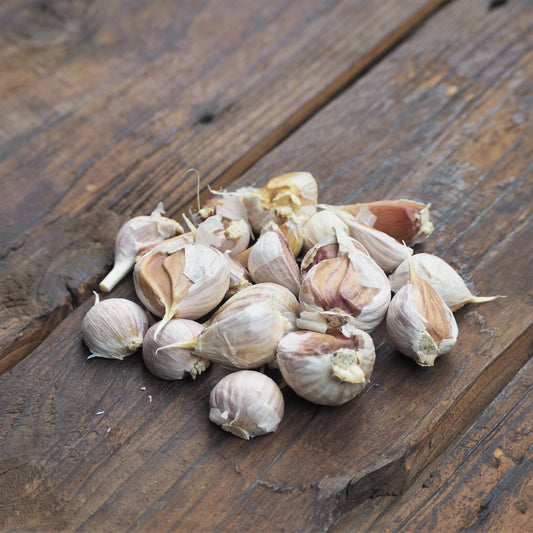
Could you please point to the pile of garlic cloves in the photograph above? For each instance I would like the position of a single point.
(267, 280)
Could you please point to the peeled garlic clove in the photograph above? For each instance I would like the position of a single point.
(224, 234)
(320, 225)
(405, 220)
(326, 369)
(134, 235)
(188, 283)
(348, 289)
(419, 322)
(271, 260)
(289, 196)
(247, 404)
(386, 251)
(166, 361)
(114, 328)
(443, 278)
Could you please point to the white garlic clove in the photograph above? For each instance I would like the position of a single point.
(239, 278)
(224, 234)
(443, 278)
(114, 328)
(247, 404)
(419, 323)
(271, 260)
(326, 369)
(166, 361)
(320, 225)
(132, 237)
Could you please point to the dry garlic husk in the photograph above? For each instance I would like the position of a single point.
(188, 283)
(289, 196)
(271, 260)
(239, 278)
(132, 237)
(320, 225)
(245, 330)
(386, 251)
(443, 278)
(166, 361)
(226, 204)
(405, 220)
(419, 322)
(326, 369)
(224, 234)
(348, 289)
(246, 403)
(114, 328)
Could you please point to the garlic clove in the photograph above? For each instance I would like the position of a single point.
(132, 237)
(292, 231)
(443, 278)
(320, 225)
(169, 246)
(406, 220)
(271, 260)
(419, 323)
(166, 361)
(386, 251)
(239, 278)
(247, 404)
(114, 328)
(224, 234)
(326, 369)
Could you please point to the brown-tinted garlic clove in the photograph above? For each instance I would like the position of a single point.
(405, 220)
(271, 260)
(386, 251)
(166, 361)
(419, 323)
(320, 225)
(443, 278)
(326, 369)
(247, 404)
(348, 289)
(188, 283)
(114, 328)
(292, 231)
(132, 237)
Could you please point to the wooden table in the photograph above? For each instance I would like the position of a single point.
(105, 104)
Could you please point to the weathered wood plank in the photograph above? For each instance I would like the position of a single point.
(118, 99)
(482, 482)
(161, 465)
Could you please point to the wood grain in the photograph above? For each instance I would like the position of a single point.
(444, 118)
(116, 100)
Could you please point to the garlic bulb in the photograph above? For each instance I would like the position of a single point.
(348, 289)
(114, 328)
(320, 225)
(135, 234)
(386, 251)
(419, 322)
(289, 196)
(187, 283)
(271, 260)
(166, 361)
(405, 220)
(245, 330)
(443, 278)
(326, 369)
(247, 404)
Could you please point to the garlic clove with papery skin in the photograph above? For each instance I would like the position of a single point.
(320, 225)
(247, 404)
(166, 361)
(326, 369)
(224, 234)
(114, 328)
(419, 323)
(132, 237)
(443, 278)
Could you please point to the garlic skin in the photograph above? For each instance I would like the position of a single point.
(166, 361)
(443, 278)
(246, 404)
(114, 328)
(132, 237)
(271, 260)
(348, 289)
(224, 234)
(419, 323)
(326, 369)
(406, 220)
(386, 251)
(188, 283)
(320, 225)
(239, 278)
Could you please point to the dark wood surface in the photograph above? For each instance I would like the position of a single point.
(105, 105)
